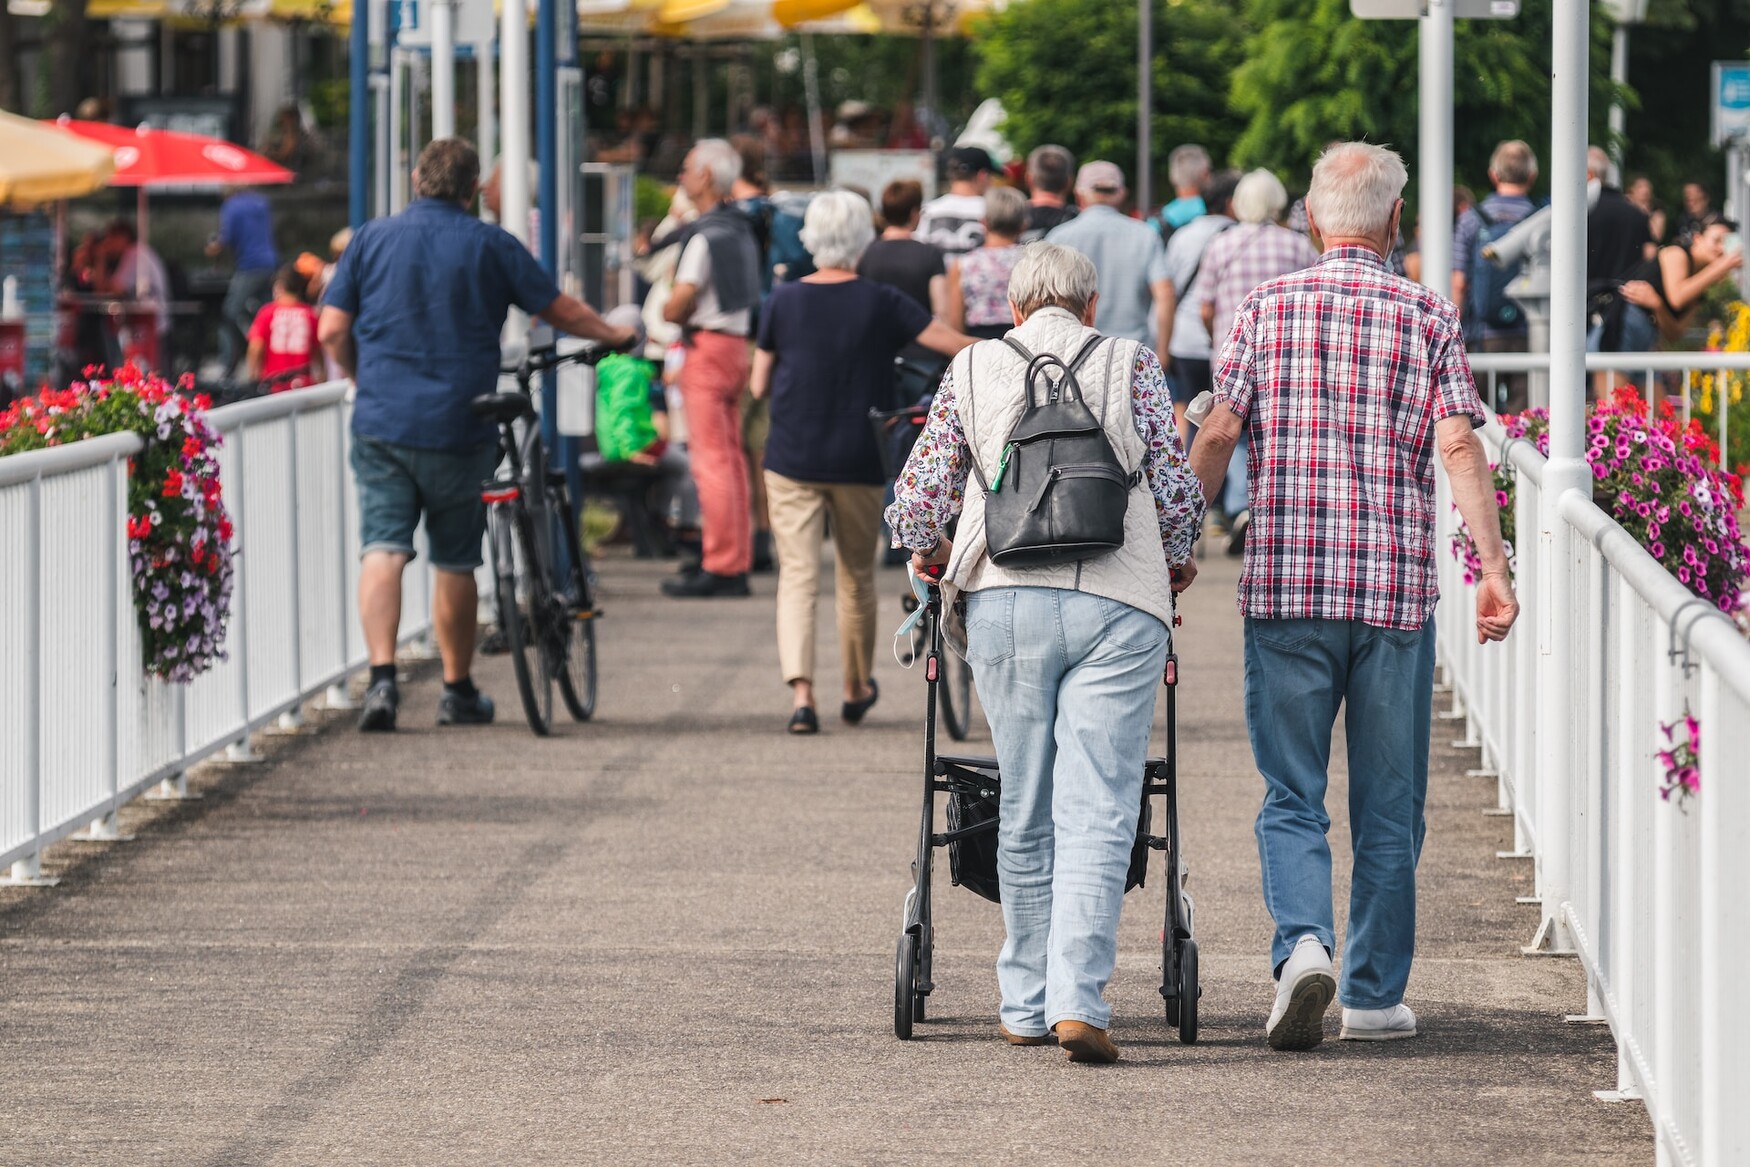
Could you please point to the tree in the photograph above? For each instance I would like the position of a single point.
(1065, 71)
(1314, 74)
(10, 96)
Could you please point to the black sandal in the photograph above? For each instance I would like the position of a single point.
(854, 711)
(804, 721)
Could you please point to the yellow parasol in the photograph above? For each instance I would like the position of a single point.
(42, 165)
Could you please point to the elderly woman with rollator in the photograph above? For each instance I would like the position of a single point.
(1067, 655)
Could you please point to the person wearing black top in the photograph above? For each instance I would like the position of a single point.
(825, 358)
(901, 261)
(1663, 291)
(1618, 240)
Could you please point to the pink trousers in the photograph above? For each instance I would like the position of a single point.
(712, 382)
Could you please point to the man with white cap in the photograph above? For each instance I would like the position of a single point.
(1135, 289)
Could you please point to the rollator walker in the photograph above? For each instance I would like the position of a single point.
(972, 786)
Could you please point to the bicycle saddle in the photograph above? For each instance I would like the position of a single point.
(499, 408)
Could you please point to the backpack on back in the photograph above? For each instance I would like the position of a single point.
(786, 259)
(1059, 492)
(1487, 304)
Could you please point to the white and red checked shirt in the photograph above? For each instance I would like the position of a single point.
(1340, 372)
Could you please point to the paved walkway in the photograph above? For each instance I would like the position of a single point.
(667, 937)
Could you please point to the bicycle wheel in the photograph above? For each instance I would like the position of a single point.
(956, 692)
(577, 616)
(521, 595)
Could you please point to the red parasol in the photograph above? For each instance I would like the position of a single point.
(149, 157)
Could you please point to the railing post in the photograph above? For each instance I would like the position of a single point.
(1725, 949)
(241, 750)
(106, 828)
(28, 871)
(293, 718)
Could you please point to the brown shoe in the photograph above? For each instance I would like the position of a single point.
(1022, 1038)
(1084, 1043)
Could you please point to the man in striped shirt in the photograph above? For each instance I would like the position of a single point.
(1346, 379)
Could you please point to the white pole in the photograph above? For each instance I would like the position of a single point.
(400, 180)
(1434, 185)
(443, 69)
(1566, 471)
(487, 120)
(513, 104)
(1144, 106)
(1618, 79)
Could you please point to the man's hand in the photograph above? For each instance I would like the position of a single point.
(937, 556)
(1183, 575)
(1497, 607)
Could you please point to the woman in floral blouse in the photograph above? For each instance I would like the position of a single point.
(1067, 657)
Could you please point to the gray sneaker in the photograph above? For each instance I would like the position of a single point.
(382, 701)
(455, 709)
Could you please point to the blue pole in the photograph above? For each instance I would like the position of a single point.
(547, 129)
(361, 99)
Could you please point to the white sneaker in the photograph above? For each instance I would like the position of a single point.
(1305, 990)
(1378, 1024)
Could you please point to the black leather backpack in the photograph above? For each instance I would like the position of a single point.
(1059, 492)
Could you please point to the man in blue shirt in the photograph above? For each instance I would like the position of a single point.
(246, 230)
(413, 316)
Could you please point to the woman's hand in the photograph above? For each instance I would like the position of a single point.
(935, 557)
(1641, 294)
(1183, 574)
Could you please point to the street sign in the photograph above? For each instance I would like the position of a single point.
(475, 22)
(1416, 9)
(1731, 104)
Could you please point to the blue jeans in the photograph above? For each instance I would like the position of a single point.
(1297, 674)
(1068, 681)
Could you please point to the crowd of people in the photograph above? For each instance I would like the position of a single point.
(1338, 377)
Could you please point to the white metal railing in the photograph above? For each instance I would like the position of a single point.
(1650, 895)
(1677, 371)
(85, 730)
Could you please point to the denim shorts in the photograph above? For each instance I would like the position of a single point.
(398, 484)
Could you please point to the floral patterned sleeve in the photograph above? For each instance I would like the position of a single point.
(1178, 495)
(931, 488)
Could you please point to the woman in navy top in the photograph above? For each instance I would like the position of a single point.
(826, 348)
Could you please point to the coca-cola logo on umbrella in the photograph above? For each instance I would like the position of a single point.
(229, 157)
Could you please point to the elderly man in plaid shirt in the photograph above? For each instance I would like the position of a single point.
(1346, 379)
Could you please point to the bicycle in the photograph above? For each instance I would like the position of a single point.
(548, 618)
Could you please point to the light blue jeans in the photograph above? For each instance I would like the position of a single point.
(1297, 673)
(1068, 681)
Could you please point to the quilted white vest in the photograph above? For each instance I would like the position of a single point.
(990, 393)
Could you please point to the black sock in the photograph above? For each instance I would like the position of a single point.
(462, 688)
(383, 673)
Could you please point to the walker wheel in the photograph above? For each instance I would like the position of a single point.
(906, 1002)
(1189, 990)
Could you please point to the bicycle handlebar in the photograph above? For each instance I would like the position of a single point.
(541, 358)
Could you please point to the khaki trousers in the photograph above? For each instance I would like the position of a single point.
(799, 514)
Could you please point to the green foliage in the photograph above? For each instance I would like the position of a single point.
(1065, 71)
(1314, 74)
(650, 199)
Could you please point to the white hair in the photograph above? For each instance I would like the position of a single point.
(837, 228)
(1599, 166)
(721, 160)
(1355, 186)
(1188, 165)
(1050, 275)
(1259, 198)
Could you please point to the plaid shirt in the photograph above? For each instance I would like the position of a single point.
(1340, 373)
(1241, 258)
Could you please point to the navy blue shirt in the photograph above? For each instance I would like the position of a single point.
(428, 291)
(835, 345)
(246, 227)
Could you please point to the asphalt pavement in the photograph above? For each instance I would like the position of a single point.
(667, 937)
